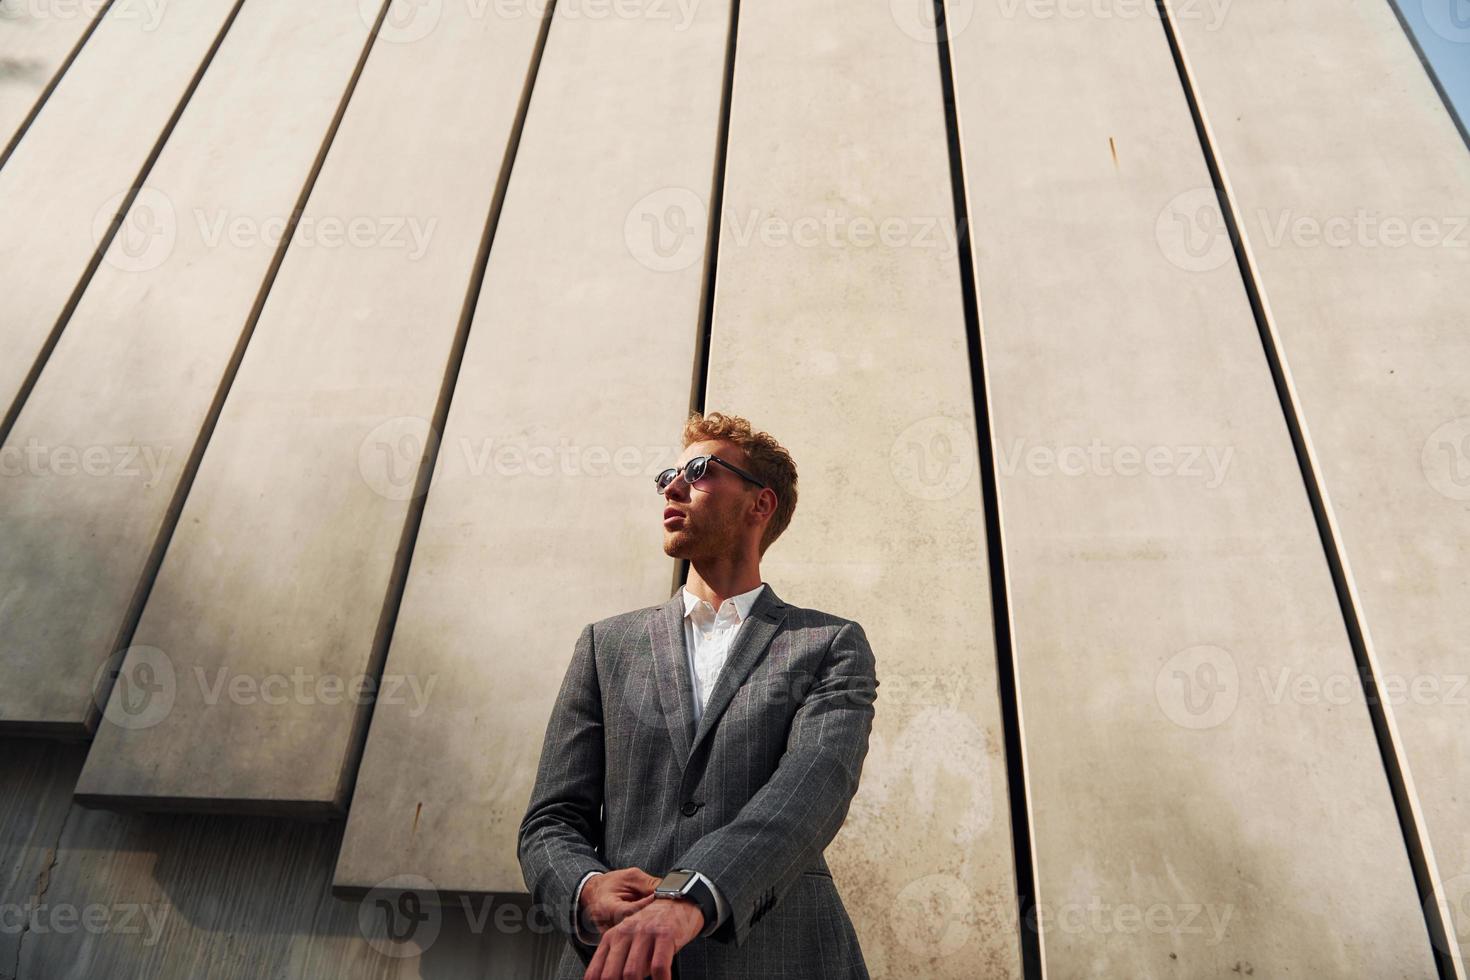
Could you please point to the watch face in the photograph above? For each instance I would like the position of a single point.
(675, 881)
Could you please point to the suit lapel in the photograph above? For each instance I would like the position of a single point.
(746, 650)
(671, 665)
(671, 673)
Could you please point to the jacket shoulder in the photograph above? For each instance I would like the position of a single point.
(621, 622)
(812, 625)
(795, 617)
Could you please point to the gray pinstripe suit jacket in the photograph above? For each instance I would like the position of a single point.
(750, 798)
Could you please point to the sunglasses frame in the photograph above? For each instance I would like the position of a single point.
(682, 470)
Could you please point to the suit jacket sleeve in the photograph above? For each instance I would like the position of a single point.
(783, 829)
(562, 832)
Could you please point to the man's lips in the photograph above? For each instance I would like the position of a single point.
(672, 515)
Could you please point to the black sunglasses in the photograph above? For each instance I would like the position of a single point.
(694, 471)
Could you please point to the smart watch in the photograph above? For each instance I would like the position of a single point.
(685, 883)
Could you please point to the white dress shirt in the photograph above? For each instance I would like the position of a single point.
(707, 637)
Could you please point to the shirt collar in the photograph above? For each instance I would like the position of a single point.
(743, 602)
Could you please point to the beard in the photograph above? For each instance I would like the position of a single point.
(693, 540)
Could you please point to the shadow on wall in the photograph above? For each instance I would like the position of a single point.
(92, 893)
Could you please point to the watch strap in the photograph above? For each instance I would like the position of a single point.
(699, 891)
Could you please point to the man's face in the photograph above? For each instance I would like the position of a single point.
(710, 519)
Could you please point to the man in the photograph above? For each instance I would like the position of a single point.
(711, 743)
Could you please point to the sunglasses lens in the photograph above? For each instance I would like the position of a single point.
(693, 470)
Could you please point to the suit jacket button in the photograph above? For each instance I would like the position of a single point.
(690, 809)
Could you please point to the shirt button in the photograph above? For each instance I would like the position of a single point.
(690, 809)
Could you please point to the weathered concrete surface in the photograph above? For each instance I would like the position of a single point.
(67, 178)
(1355, 212)
(839, 327)
(135, 375)
(35, 41)
(84, 893)
(1164, 568)
(268, 608)
(542, 515)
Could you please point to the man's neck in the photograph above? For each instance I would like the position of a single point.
(717, 585)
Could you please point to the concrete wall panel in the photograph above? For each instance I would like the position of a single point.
(35, 42)
(542, 515)
(85, 893)
(135, 375)
(1351, 187)
(1165, 573)
(68, 177)
(839, 327)
(268, 611)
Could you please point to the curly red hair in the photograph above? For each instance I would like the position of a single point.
(765, 458)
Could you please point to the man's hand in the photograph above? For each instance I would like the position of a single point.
(645, 942)
(609, 898)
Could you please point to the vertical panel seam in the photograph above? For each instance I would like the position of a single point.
(1400, 779)
(705, 329)
(116, 222)
(187, 475)
(57, 76)
(1018, 794)
(403, 560)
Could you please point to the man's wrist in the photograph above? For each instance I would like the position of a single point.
(689, 902)
(722, 908)
(582, 935)
(700, 891)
